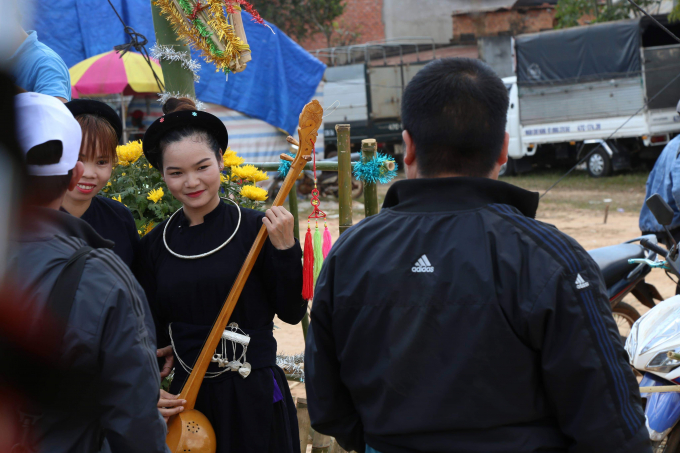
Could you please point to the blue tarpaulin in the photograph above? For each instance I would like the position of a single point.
(275, 86)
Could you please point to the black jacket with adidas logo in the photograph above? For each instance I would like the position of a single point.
(454, 322)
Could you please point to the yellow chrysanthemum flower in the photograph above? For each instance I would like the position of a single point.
(258, 176)
(119, 199)
(230, 158)
(108, 183)
(254, 193)
(156, 195)
(123, 174)
(149, 227)
(244, 172)
(128, 154)
(223, 178)
(139, 232)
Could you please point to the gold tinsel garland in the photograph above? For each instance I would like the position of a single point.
(217, 23)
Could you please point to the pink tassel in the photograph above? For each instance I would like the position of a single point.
(327, 242)
(308, 268)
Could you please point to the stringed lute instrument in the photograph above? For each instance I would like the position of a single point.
(190, 430)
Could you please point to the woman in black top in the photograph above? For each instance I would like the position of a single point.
(102, 129)
(187, 266)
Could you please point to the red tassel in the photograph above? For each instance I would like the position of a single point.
(308, 268)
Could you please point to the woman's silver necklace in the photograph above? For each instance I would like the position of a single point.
(202, 255)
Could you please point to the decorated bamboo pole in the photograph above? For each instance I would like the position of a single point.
(344, 176)
(369, 148)
(241, 33)
(293, 205)
(177, 79)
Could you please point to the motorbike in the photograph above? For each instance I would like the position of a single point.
(623, 278)
(653, 345)
(326, 181)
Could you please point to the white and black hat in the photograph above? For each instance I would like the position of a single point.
(43, 120)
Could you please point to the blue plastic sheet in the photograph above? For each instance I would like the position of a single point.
(278, 82)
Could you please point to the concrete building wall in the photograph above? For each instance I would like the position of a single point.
(430, 18)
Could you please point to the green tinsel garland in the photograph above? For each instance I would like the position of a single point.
(284, 166)
(374, 171)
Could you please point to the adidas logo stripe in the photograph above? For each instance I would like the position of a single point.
(423, 265)
(580, 282)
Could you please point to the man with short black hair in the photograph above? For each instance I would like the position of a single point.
(453, 321)
(107, 342)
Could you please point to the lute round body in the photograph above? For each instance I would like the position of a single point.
(191, 431)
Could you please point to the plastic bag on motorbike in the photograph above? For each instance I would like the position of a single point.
(663, 409)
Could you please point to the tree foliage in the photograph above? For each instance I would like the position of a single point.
(674, 15)
(569, 12)
(301, 19)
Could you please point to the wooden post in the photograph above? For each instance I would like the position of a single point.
(607, 201)
(369, 149)
(344, 176)
(177, 79)
(304, 424)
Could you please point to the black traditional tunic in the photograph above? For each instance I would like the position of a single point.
(255, 414)
(113, 221)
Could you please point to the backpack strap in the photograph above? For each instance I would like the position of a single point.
(59, 304)
(60, 300)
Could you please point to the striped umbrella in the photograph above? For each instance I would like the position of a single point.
(108, 73)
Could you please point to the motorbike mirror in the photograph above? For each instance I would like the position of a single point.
(660, 209)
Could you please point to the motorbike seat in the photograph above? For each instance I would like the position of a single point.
(613, 261)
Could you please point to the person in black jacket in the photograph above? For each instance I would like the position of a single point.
(453, 321)
(109, 343)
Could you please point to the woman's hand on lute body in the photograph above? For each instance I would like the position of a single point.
(279, 223)
(169, 405)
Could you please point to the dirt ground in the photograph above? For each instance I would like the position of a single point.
(576, 208)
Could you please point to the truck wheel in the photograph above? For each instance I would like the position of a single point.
(508, 169)
(599, 164)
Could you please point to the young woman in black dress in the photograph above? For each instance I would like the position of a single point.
(187, 265)
(102, 129)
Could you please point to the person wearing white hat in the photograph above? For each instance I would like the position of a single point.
(107, 339)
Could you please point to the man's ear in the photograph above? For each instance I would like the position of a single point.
(409, 148)
(503, 157)
(77, 173)
(410, 161)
